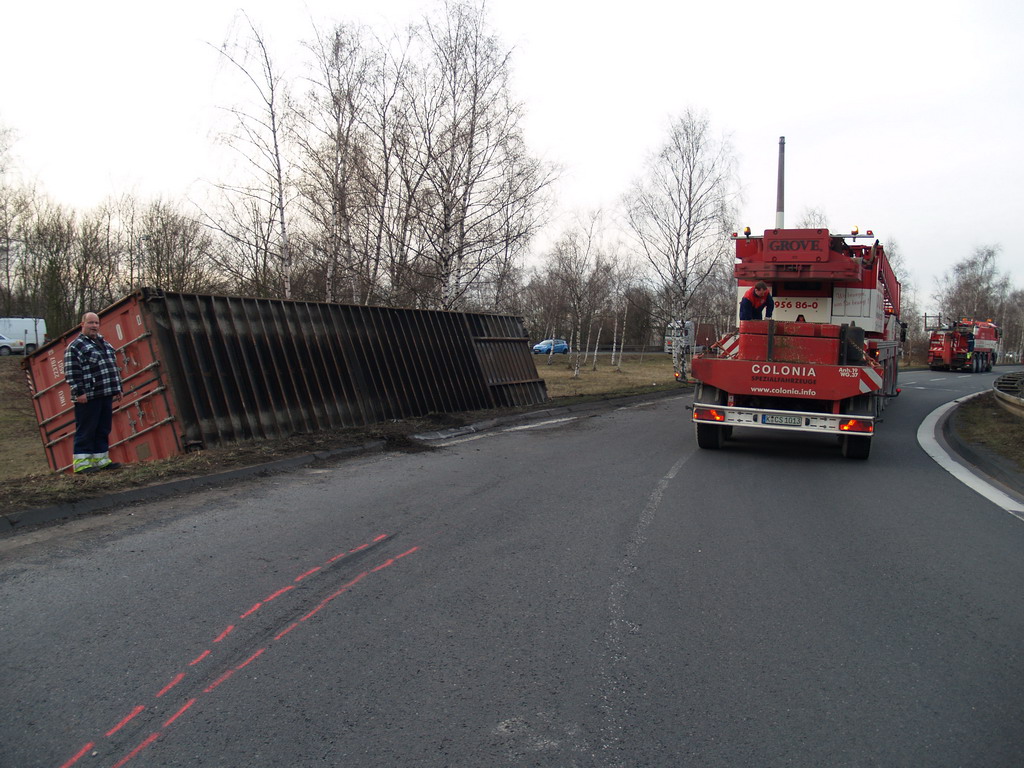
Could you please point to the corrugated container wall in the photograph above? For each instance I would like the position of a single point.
(202, 370)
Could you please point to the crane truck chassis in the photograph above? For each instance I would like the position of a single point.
(826, 363)
(966, 345)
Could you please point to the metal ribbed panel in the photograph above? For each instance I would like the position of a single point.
(255, 368)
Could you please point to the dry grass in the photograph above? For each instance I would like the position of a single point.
(983, 422)
(21, 449)
(635, 374)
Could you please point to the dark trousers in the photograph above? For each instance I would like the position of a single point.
(92, 425)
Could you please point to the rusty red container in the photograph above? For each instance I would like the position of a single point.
(204, 370)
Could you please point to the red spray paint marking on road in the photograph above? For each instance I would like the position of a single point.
(285, 632)
(393, 560)
(180, 712)
(279, 593)
(177, 679)
(78, 755)
(251, 659)
(330, 597)
(360, 548)
(265, 600)
(226, 675)
(124, 722)
(219, 680)
(149, 740)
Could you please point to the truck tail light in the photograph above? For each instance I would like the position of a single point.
(707, 414)
(856, 425)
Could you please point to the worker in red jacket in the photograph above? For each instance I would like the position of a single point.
(755, 301)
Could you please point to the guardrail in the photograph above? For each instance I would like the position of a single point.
(1009, 392)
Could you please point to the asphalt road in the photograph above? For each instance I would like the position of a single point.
(593, 591)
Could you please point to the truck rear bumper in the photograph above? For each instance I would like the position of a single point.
(791, 421)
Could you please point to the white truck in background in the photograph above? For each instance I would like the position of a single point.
(31, 329)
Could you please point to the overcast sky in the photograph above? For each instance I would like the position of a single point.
(899, 116)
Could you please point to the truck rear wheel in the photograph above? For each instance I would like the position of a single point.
(855, 447)
(858, 446)
(710, 436)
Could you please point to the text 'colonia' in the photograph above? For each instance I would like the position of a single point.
(783, 370)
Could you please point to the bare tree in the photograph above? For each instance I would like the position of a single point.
(974, 287)
(584, 265)
(16, 210)
(178, 252)
(813, 218)
(680, 211)
(480, 185)
(259, 137)
(50, 278)
(331, 184)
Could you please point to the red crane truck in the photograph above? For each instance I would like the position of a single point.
(966, 345)
(826, 362)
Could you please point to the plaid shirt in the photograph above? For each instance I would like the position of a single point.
(90, 368)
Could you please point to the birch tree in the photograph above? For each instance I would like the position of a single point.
(480, 184)
(974, 287)
(332, 189)
(680, 211)
(259, 137)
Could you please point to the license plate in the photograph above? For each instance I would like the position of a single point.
(786, 421)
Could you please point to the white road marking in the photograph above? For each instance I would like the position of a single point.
(507, 429)
(539, 424)
(926, 439)
(649, 403)
(618, 626)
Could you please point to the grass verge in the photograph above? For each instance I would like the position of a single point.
(984, 422)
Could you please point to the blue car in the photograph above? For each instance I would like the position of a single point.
(549, 346)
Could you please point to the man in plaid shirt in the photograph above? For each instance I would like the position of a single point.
(90, 370)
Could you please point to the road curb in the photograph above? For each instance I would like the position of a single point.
(519, 418)
(985, 463)
(14, 521)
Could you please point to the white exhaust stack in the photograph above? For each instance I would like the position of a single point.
(780, 196)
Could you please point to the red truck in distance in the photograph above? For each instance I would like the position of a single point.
(966, 345)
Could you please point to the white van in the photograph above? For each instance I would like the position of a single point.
(31, 329)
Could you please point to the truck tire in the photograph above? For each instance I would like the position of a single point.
(857, 446)
(710, 436)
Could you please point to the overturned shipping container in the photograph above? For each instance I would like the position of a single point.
(200, 370)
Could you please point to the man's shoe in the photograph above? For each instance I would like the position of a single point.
(87, 470)
(110, 465)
